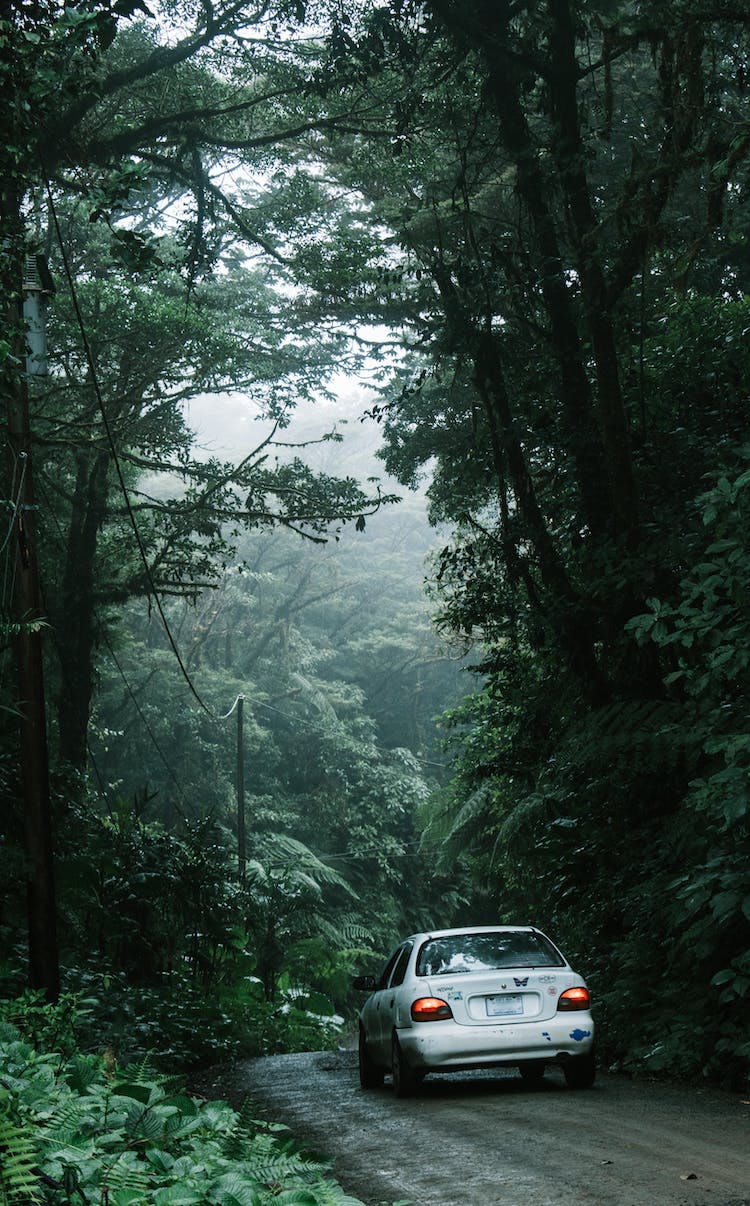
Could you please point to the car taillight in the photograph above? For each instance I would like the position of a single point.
(430, 1009)
(574, 998)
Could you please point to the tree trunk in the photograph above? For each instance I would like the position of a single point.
(597, 306)
(44, 969)
(566, 610)
(486, 31)
(76, 621)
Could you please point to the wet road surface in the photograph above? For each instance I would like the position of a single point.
(482, 1138)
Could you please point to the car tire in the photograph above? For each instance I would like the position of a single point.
(370, 1075)
(580, 1071)
(532, 1070)
(405, 1079)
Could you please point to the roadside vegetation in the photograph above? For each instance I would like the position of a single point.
(500, 673)
(75, 1127)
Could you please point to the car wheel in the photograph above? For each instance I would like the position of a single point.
(580, 1071)
(405, 1080)
(370, 1075)
(532, 1070)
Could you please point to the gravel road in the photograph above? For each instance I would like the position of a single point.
(488, 1137)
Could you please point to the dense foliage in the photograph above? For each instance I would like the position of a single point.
(569, 214)
(75, 1127)
(526, 224)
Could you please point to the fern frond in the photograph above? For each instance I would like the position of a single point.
(233, 1189)
(347, 931)
(325, 1193)
(19, 1179)
(70, 1116)
(526, 814)
(247, 1125)
(280, 851)
(474, 811)
(354, 933)
(128, 1173)
(622, 726)
(285, 1164)
(83, 1071)
(142, 1073)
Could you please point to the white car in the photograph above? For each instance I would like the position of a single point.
(452, 1000)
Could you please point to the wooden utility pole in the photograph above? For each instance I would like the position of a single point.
(241, 852)
(44, 971)
(26, 620)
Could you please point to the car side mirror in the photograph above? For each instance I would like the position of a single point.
(364, 983)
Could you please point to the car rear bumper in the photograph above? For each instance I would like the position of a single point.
(435, 1045)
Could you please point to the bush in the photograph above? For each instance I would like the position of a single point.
(75, 1128)
(178, 1025)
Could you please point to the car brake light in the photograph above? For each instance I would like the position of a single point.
(574, 998)
(430, 1009)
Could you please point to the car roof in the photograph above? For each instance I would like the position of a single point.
(471, 929)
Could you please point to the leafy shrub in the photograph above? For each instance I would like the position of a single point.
(75, 1129)
(178, 1025)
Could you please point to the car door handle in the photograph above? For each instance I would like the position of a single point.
(390, 1003)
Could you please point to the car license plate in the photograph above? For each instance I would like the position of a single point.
(509, 1005)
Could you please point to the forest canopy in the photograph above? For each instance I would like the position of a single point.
(524, 227)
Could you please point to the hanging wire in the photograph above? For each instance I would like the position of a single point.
(9, 579)
(234, 705)
(141, 548)
(146, 725)
(104, 636)
(16, 506)
(115, 458)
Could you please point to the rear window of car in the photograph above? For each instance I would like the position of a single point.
(457, 953)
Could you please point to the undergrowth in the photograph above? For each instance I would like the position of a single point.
(75, 1129)
(178, 1025)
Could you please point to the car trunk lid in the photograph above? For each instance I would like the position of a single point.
(491, 998)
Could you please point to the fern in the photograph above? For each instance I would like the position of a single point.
(142, 1073)
(128, 1172)
(297, 1197)
(528, 813)
(474, 812)
(234, 1190)
(347, 931)
(19, 1177)
(619, 728)
(71, 1115)
(137, 1140)
(83, 1072)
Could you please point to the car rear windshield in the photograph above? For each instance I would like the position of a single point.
(457, 953)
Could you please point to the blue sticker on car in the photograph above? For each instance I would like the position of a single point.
(520, 982)
(579, 1035)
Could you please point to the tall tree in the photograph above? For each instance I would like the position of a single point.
(564, 189)
(118, 468)
(161, 112)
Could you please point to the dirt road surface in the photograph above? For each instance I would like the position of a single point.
(485, 1138)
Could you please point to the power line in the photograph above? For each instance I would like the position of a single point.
(15, 505)
(9, 578)
(144, 721)
(115, 457)
(318, 728)
(131, 515)
(105, 638)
